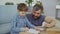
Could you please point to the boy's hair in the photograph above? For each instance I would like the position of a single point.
(22, 7)
(37, 7)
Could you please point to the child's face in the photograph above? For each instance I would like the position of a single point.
(22, 13)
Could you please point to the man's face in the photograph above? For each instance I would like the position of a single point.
(36, 14)
(22, 13)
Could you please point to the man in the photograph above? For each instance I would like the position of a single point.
(36, 17)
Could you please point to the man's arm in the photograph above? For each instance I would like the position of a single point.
(50, 21)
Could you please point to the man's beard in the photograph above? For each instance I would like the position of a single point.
(35, 17)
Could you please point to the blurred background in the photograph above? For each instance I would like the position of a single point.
(8, 8)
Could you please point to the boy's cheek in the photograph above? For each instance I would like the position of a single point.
(22, 13)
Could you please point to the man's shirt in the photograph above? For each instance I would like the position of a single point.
(36, 22)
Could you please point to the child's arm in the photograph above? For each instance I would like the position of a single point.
(29, 24)
(14, 26)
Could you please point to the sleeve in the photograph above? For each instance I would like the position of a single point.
(29, 24)
(14, 26)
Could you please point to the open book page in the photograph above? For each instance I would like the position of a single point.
(33, 31)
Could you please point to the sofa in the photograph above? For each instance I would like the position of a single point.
(6, 13)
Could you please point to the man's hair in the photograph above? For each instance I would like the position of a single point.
(37, 7)
(22, 7)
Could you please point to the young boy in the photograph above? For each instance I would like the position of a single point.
(19, 22)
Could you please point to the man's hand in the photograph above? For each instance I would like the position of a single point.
(51, 21)
(48, 25)
(26, 29)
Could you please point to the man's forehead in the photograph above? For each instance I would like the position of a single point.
(36, 8)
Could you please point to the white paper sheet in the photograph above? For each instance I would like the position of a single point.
(33, 31)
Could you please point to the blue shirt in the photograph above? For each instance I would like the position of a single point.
(18, 23)
(36, 22)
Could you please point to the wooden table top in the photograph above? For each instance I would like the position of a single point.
(54, 30)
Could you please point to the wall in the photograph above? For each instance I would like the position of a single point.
(58, 2)
(49, 5)
(58, 8)
(2, 2)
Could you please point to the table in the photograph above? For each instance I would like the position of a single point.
(54, 30)
(31, 33)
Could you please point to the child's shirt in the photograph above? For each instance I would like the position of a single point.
(18, 23)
